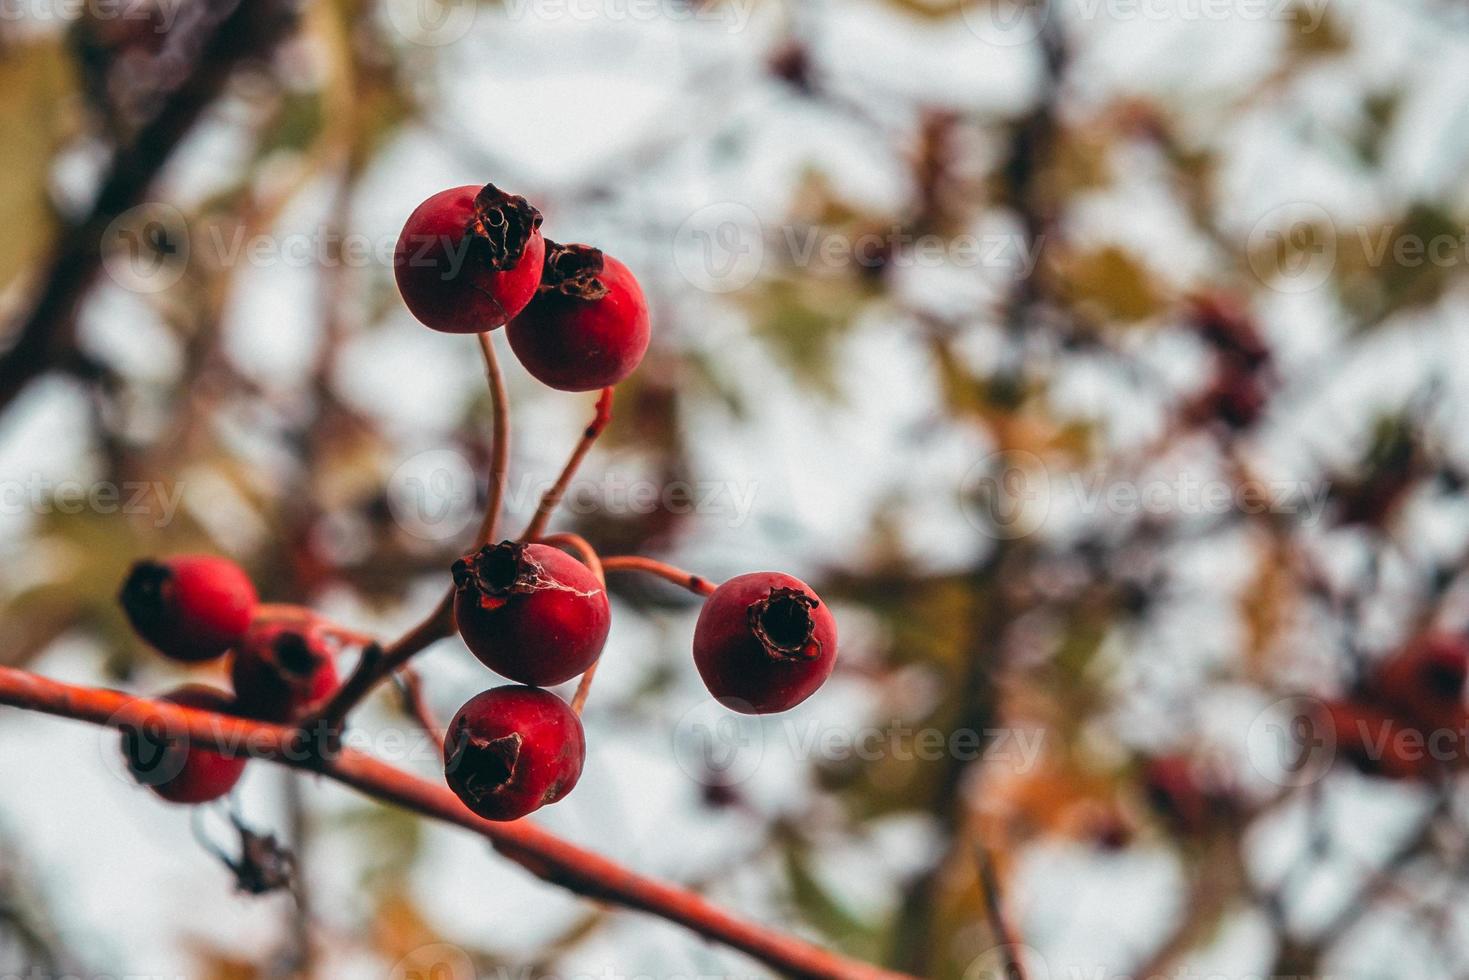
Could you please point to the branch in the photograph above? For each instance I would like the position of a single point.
(219, 34)
(553, 496)
(500, 448)
(697, 584)
(541, 853)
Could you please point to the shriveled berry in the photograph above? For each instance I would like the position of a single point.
(529, 612)
(163, 760)
(279, 671)
(191, 607)
(512, 750)
(764, 643)
(587, 328)
(469, 258)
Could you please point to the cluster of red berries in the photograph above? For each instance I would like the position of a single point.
(1408, 720)
(195, 609)
(764, 643)
(472, 259)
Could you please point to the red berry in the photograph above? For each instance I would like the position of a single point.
(1425, 682)
(529, 612)
(587, 328)
(191, 608)
(764, 643)
(1377, 744)
(469, 258)
(512, 750)
(280, 670)
(163, 761)
(1173, 788)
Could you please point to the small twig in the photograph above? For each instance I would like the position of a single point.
(543, 854)
(552, 498)
(583, 549)
(500, 450)
(283, 613)
(584, 686)
(994, 907)
(410, 686)
(377, 664)
(697, 584)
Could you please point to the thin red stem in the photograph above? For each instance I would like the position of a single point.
(583, 549)
(378, 663)
(500, 450)
(593, 561)
(1000, 925)
(697, 584)
(552, 498)
(416, 705)
(541, 853)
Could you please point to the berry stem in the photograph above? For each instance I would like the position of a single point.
(594, 562)
(583, 549)
(697, 584)
(378, 663)
(286, 614)
(500, 450)
(410, 686)
(1000, 924)
(543, 854)
(553, 496)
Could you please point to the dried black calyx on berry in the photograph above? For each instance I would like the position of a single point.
(486, 765)
(498, 571)
(1444, 680)
(295, 660)
(572, 270)
(147, 594)
(783, 624)
(502, 227)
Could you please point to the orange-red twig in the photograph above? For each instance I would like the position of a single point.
(552, 498)
(582, 547)
(500, 448)
(542, 854)
(697, 584)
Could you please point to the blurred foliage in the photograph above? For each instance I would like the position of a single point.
(1074, 633)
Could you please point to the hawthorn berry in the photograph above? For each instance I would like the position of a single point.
(587, 327)
(764, 642)
(1424, 683)
(164, 762)
(279, 671)
(469, 258)
(1174, 790)
(511, 750)
(530, 613)
(191, 607)
(1375, 743)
